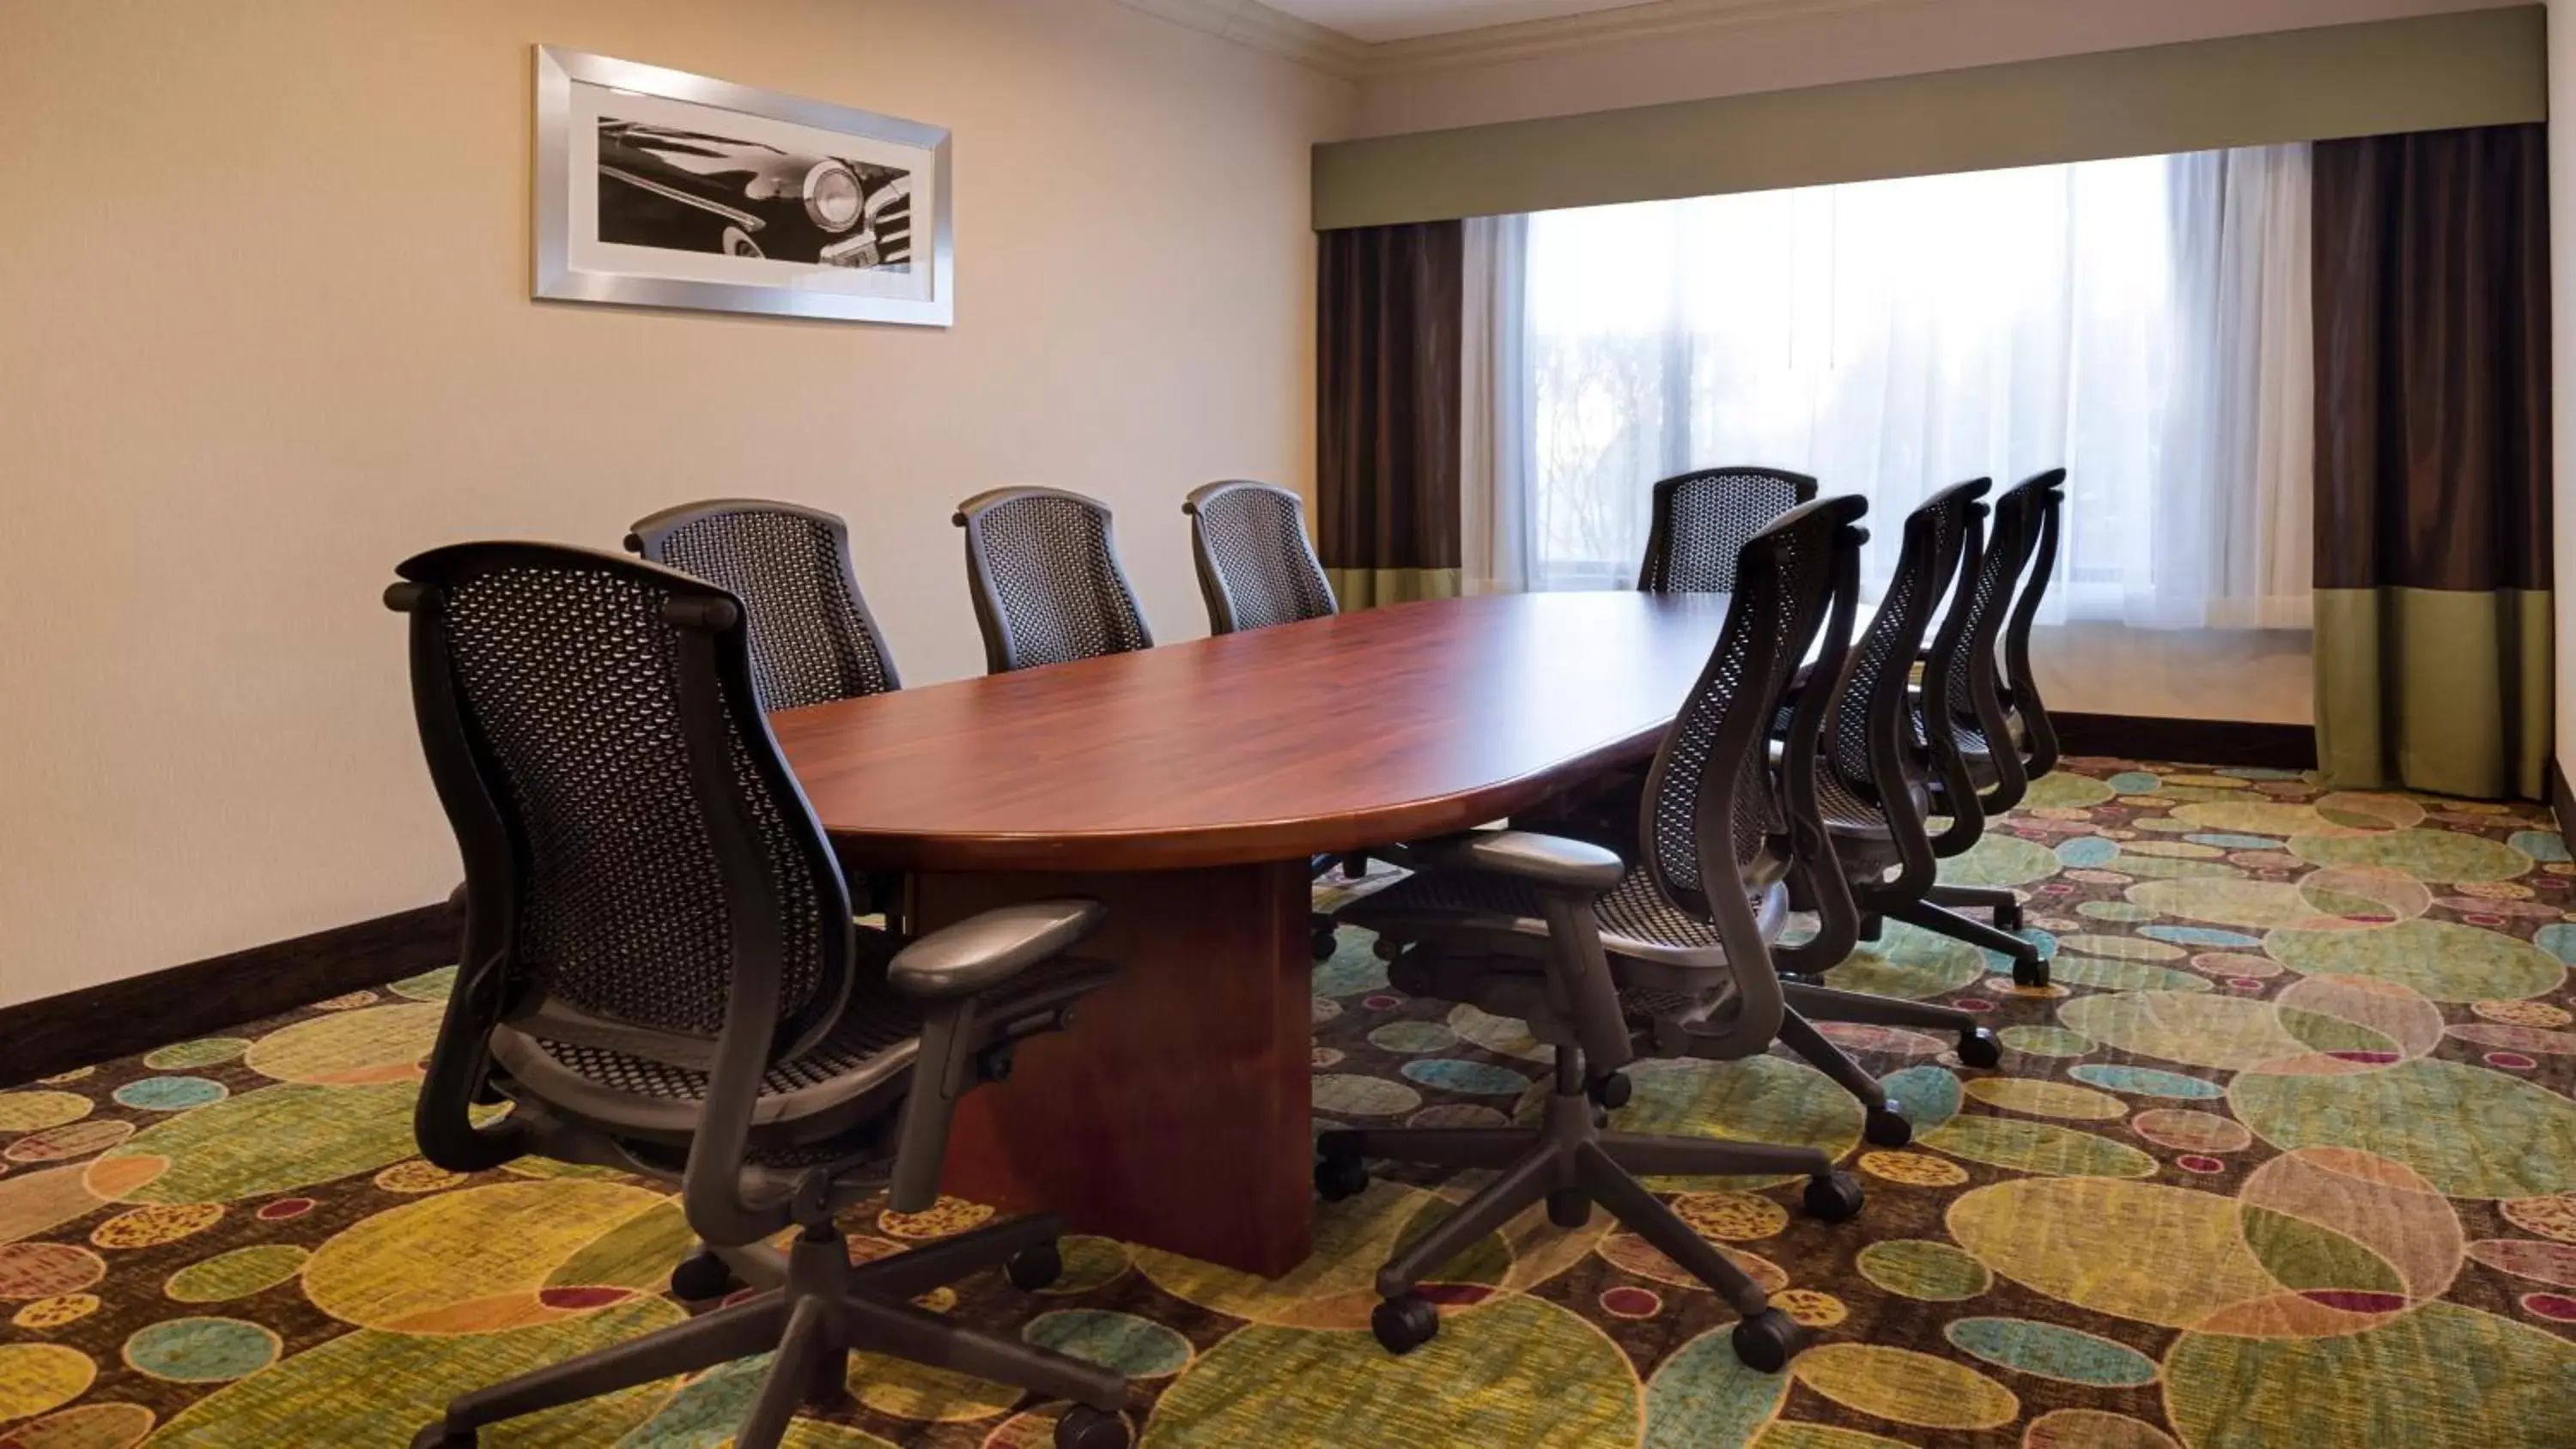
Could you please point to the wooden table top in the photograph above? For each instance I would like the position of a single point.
(1363, 729)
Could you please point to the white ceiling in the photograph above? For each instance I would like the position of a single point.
(1380, 20)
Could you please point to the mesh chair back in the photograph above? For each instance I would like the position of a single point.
(1876, 706)
(1714, 824)
(630, 834)
(1043, 566)
(812, 640)
(2036, 503)
(1964, 651)
(1701, 521)
(1256, 567)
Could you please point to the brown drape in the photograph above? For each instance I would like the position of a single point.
(2432, 332)
(1389, 300)
(2432, 419)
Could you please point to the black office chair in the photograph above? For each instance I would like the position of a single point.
(1528, 926)
(1700, 523)
(2034, 506)
(1872, 771)
(812, 638)
(660, 975)
(1256, 569)
(1884, 760)
(1043, 567)
(1702, 519)
(1958, 711)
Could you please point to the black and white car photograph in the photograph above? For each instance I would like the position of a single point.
(659, 188)
(695, 192)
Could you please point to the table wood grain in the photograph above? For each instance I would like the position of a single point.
(1326, 735)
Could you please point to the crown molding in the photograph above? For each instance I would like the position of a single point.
(1253, 24)
(1250, 23)
(1654, 20)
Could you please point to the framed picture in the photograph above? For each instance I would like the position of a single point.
(657, 188)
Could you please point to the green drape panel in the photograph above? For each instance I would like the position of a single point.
(1368, 588)
(2433, 516)
(1389, 342)
(2434, 689)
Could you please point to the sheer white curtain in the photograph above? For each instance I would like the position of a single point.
(2234, 546)
(2142, 323)
(1495, 387)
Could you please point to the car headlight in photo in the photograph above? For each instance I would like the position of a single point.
(832, 196)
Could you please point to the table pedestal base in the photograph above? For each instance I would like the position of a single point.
(1176, 1112)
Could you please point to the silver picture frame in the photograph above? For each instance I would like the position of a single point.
(568, 247)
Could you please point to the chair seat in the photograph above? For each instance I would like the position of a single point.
(1845, 810)
(774, 1167)
(1978, 753)
(1646, 1005)
(1636, 918)
(1972, 738)
(856, 1072)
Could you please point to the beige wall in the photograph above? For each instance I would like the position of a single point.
(2562, 242)
(1843, 43)
(265, 330)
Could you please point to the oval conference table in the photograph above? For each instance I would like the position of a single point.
(1186, 787)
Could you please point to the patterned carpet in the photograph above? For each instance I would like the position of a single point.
(2287, 1157)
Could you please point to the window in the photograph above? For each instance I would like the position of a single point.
(2117, 318)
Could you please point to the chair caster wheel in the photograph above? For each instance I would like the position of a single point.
(439, 1436)
(1978, 1048)
(1034, 1268)
(1084, 1427)
(1338, 1177)
(1323, 943)
(2030, 973)
(1885, 1126)
(701, 1276)
(1834, 1198)
(1768, 1340)
(1610, 1090)
(1405, 1324)
(1569, 1207)
(2008, 918)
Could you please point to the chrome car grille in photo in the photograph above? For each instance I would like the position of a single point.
(692, 191)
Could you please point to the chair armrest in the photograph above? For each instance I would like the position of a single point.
(984, 983)
(984, 950)
(1543, 860)
(967, 1041)
(1569, 875)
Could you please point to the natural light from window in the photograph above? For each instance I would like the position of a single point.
(1890, 337)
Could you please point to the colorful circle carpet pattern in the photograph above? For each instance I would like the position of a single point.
(2286, 1156)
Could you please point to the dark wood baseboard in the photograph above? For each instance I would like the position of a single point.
(2188, 741)
(2562, 800)
(101, 1023)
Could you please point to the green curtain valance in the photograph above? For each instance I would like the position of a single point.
(2470, 68)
